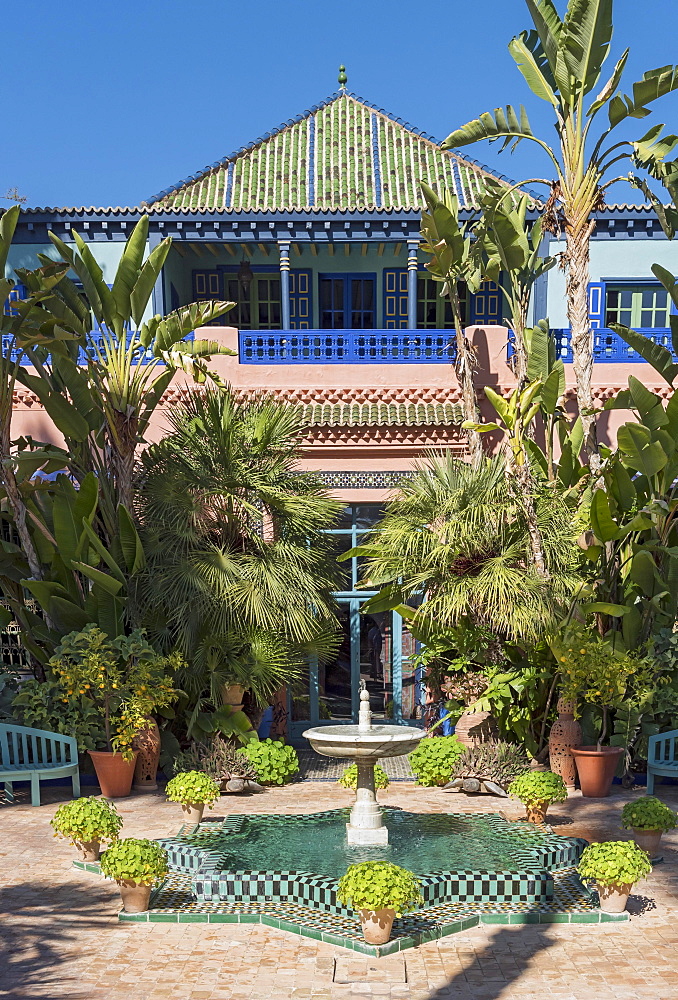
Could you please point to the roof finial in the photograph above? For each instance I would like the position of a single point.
(343, 79)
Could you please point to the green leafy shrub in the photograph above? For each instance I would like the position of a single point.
(276, 763)
(378, 885)
(536, 787)
(617, 862)
(648, 813)
(133, 860)
(500, 762)
(192, 788)
(435, 758)
(41, 705)
(87, 819)
(349, 778)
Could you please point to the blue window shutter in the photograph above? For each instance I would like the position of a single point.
(485, 306)
(206, 285)
(596, 296)
(17, 294)
(301, 300)
(395, 298)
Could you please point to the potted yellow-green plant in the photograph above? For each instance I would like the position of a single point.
(88, 823)
(649, 818)
(380, 891)
(136, 865)
(126, 681)
(593, 671)
(194, 790)
(537, 790)
(614, 867)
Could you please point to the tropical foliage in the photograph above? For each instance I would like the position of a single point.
(434, 760)
(275, 763)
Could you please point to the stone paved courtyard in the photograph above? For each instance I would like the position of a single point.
(60, 938)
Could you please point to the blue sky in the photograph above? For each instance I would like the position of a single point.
(108, 103)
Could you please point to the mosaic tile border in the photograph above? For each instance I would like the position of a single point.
(364, 480)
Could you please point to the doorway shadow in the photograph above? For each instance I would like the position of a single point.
(498, 967)
(37, 942)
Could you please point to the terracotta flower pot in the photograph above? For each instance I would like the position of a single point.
(135, 896)
(377, 925)
(114, 773)
(613, 898)
(596, 769)
(90, 850)
(232, 695)
(648, 840)
(536, 813)
(192, 811)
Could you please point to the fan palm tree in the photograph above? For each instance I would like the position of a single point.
(239, 572)
(459, 535)
(562, 63)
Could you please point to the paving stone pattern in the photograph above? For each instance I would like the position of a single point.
(60, 938)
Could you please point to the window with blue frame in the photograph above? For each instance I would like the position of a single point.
(347, 301)
(644, 306)
(434, 311)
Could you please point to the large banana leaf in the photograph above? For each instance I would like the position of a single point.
(654, 84)
(536, 71)
(641, 451)
(150, 272)
(503, 125)
(127, 273)
(8, 223)
(585, 40)
(659, 357)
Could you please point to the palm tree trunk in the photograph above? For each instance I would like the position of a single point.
(464, 367)
(522, 476)
(19, 511)
(577, 281)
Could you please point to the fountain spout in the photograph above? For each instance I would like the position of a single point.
(364, 713)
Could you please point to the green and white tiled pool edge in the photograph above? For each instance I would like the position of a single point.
(442, 920)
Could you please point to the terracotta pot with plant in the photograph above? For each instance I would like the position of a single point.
(136, 865)
(614, 867)
(537, 790)
(596, 672)
(125, 680)
(194, 790)
(649, 818)
(88, 823)
(380, 891)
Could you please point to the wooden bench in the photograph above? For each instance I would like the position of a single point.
(662, 757)
(36, 754)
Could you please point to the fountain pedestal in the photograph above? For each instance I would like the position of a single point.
(366, 825)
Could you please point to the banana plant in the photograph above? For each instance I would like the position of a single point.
(129, 362)
(561, 61)
(507, 245)
(448, 241)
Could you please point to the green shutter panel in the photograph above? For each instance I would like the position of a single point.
(206, 285)
(395, 298)
(485, 307)
(301, 302)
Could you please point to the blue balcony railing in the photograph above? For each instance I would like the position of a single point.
(346, 347)
(94, 338)
(609, 346)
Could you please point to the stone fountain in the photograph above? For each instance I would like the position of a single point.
(365, 744)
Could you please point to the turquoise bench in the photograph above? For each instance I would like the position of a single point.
(662, 757)
(36, 754)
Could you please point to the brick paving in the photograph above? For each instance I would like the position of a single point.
(60, 938)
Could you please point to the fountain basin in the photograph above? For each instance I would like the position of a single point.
(367, 745)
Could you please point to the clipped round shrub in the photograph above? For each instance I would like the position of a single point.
(349, 778)
(192, 788)
(538, 787)
(648, 813)
(276, 763)
(379, 885)
(87, 819)
(435, 758)
(617, 862)
(133, 860)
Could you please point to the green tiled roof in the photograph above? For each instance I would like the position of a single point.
(343, 155)
(381, 414)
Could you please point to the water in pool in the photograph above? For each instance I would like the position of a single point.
(421, 843)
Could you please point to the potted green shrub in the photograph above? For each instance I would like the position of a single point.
(593, 671)
(276, 763)
(648, 818)
(537, 790)
(380, 891)
(125, 680)
(194, 790)
(135, 865)
(434, 760)
(614, 867)
(349, 778)
(88, 823)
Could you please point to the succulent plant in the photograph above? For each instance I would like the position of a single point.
(500, 762)
(217, 759)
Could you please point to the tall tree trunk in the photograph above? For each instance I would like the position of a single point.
(464, 367)
(522, 477)
(577, 281)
